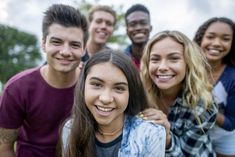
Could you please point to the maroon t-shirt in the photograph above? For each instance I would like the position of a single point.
(38, 109)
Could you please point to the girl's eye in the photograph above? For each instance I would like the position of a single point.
(96, 85)
(174, 59)
(154, 59)
(120, 89)
(227, 39)
(209, 37)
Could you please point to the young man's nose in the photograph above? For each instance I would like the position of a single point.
(66, 51)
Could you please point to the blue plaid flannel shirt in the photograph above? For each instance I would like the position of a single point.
(190, 138)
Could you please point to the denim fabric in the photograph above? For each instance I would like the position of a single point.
(140, 138)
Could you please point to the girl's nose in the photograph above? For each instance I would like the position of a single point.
(106, 98)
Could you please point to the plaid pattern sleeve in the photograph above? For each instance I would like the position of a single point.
(190, 136)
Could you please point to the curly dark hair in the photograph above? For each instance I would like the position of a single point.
(134, 8)
(230, 58)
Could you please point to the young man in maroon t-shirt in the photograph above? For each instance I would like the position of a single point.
(35, 102)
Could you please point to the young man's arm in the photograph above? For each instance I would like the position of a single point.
(7, 140)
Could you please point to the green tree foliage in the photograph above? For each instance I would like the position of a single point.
(119, 36)
(18, 51)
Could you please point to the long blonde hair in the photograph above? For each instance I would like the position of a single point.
(196, 86)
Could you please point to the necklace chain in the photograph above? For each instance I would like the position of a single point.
(109, 133)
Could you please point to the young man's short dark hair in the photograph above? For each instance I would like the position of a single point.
(136, 7)
(64, 15)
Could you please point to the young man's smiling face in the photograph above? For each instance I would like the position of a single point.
(64, 47)
(138, 27)
(101, 27)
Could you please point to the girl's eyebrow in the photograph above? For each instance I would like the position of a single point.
(175, 53)
(170, 54)
(96, 78)
(121, 83)
(118, 83)
(213, 33)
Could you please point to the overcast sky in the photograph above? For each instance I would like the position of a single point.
(182, 15)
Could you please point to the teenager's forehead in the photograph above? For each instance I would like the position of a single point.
(63, 32)
(137, 15)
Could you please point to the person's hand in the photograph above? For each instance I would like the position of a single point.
(158, 117)
(220, 119)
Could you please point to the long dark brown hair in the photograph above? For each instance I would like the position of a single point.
(81, 142)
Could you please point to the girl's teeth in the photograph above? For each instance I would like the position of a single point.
(164, 76)
(104, 109)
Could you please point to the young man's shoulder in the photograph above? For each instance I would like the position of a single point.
(127, 50)
(23, 76)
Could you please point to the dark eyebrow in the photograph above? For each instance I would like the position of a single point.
(72, 42)
(213, 33)
(54, 38)
(118, 83)
(76, 42)
(121, 83)
(96, 78)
